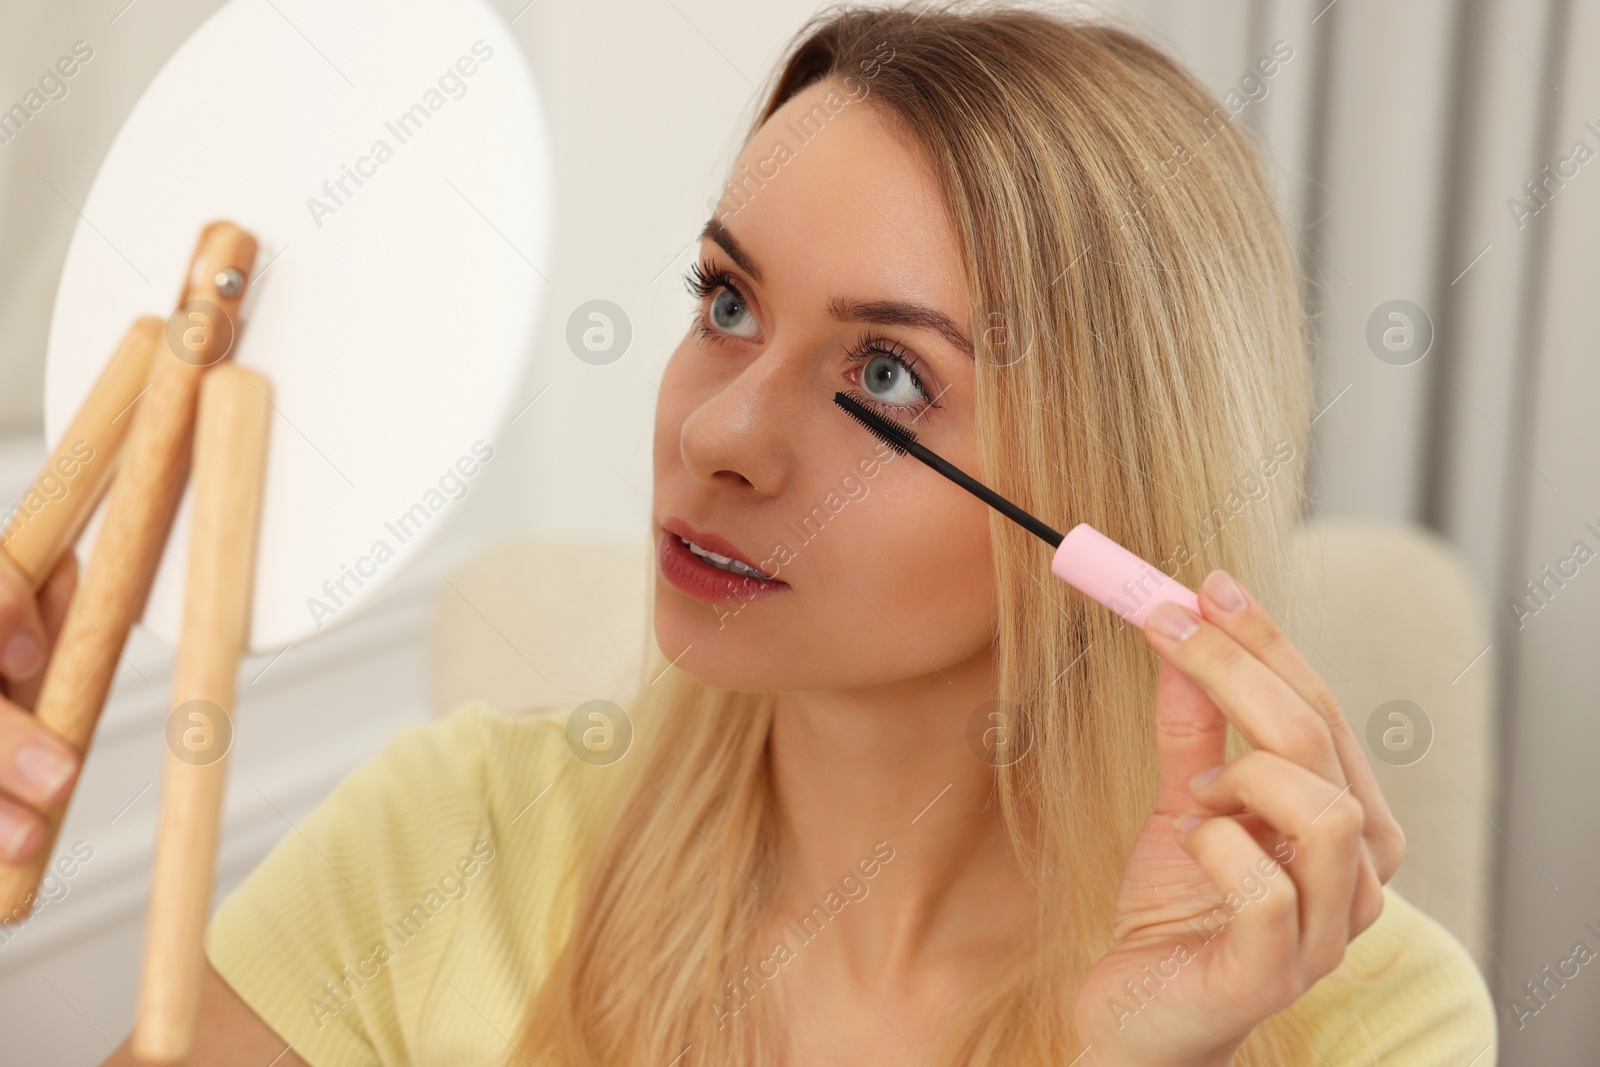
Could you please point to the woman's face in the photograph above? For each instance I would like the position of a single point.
(832, 266)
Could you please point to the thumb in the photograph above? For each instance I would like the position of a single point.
(55, 600)
(22, 634)
(1191, 736)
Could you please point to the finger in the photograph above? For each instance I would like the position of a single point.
(36, 767)
(55, 600)
(1369, 899)
(1257, 631)
(56, 596)
(1191, 736)
(1255, 699)
(1260, 908)
(22, 637)
(1323, 821)
(21, 831)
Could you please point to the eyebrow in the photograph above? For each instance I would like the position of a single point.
(882, 312)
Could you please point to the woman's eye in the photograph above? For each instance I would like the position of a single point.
(888, 380)
(727, 310)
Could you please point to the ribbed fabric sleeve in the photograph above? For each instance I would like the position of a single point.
(1407, 994)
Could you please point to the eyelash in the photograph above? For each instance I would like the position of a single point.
(704, 279)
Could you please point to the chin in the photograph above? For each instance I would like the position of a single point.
(725, 648)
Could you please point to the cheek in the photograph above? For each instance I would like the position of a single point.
(940, 548)
(916, 551)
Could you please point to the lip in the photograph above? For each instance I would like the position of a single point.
(708, 541)
(700, 579)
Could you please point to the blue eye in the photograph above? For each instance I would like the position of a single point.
(889, 380)
(727, 308)
(889, 376)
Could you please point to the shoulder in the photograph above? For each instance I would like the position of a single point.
(467, 747)
(436, 784)
(474, 769)
(1407, 993)
(337, 937)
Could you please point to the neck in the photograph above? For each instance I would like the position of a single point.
(890, 766)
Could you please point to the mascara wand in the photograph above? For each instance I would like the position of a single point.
(1085, 558)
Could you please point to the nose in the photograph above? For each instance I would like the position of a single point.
(743, 432)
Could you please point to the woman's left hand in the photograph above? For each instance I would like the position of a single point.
(1226, 919)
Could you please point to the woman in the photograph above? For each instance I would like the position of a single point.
(898, 796)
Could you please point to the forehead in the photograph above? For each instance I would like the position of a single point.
(828, 193)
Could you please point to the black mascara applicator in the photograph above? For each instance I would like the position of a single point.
(1085, 558)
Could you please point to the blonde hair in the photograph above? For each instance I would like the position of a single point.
(1141, 366)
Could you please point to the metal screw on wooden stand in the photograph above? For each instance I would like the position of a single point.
(229, 282)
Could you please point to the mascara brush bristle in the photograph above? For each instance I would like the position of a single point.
(888, 431)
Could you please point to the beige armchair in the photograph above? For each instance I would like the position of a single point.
(1384, 613)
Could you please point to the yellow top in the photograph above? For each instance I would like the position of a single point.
(401, 922)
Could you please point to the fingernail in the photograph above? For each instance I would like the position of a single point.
(1173, 620)
(1225, 591)
(1187, 822)
(1204, 776)
(44, 767)
(15, 833)
(21, 654)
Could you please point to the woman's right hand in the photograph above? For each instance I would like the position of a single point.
(37, 768)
